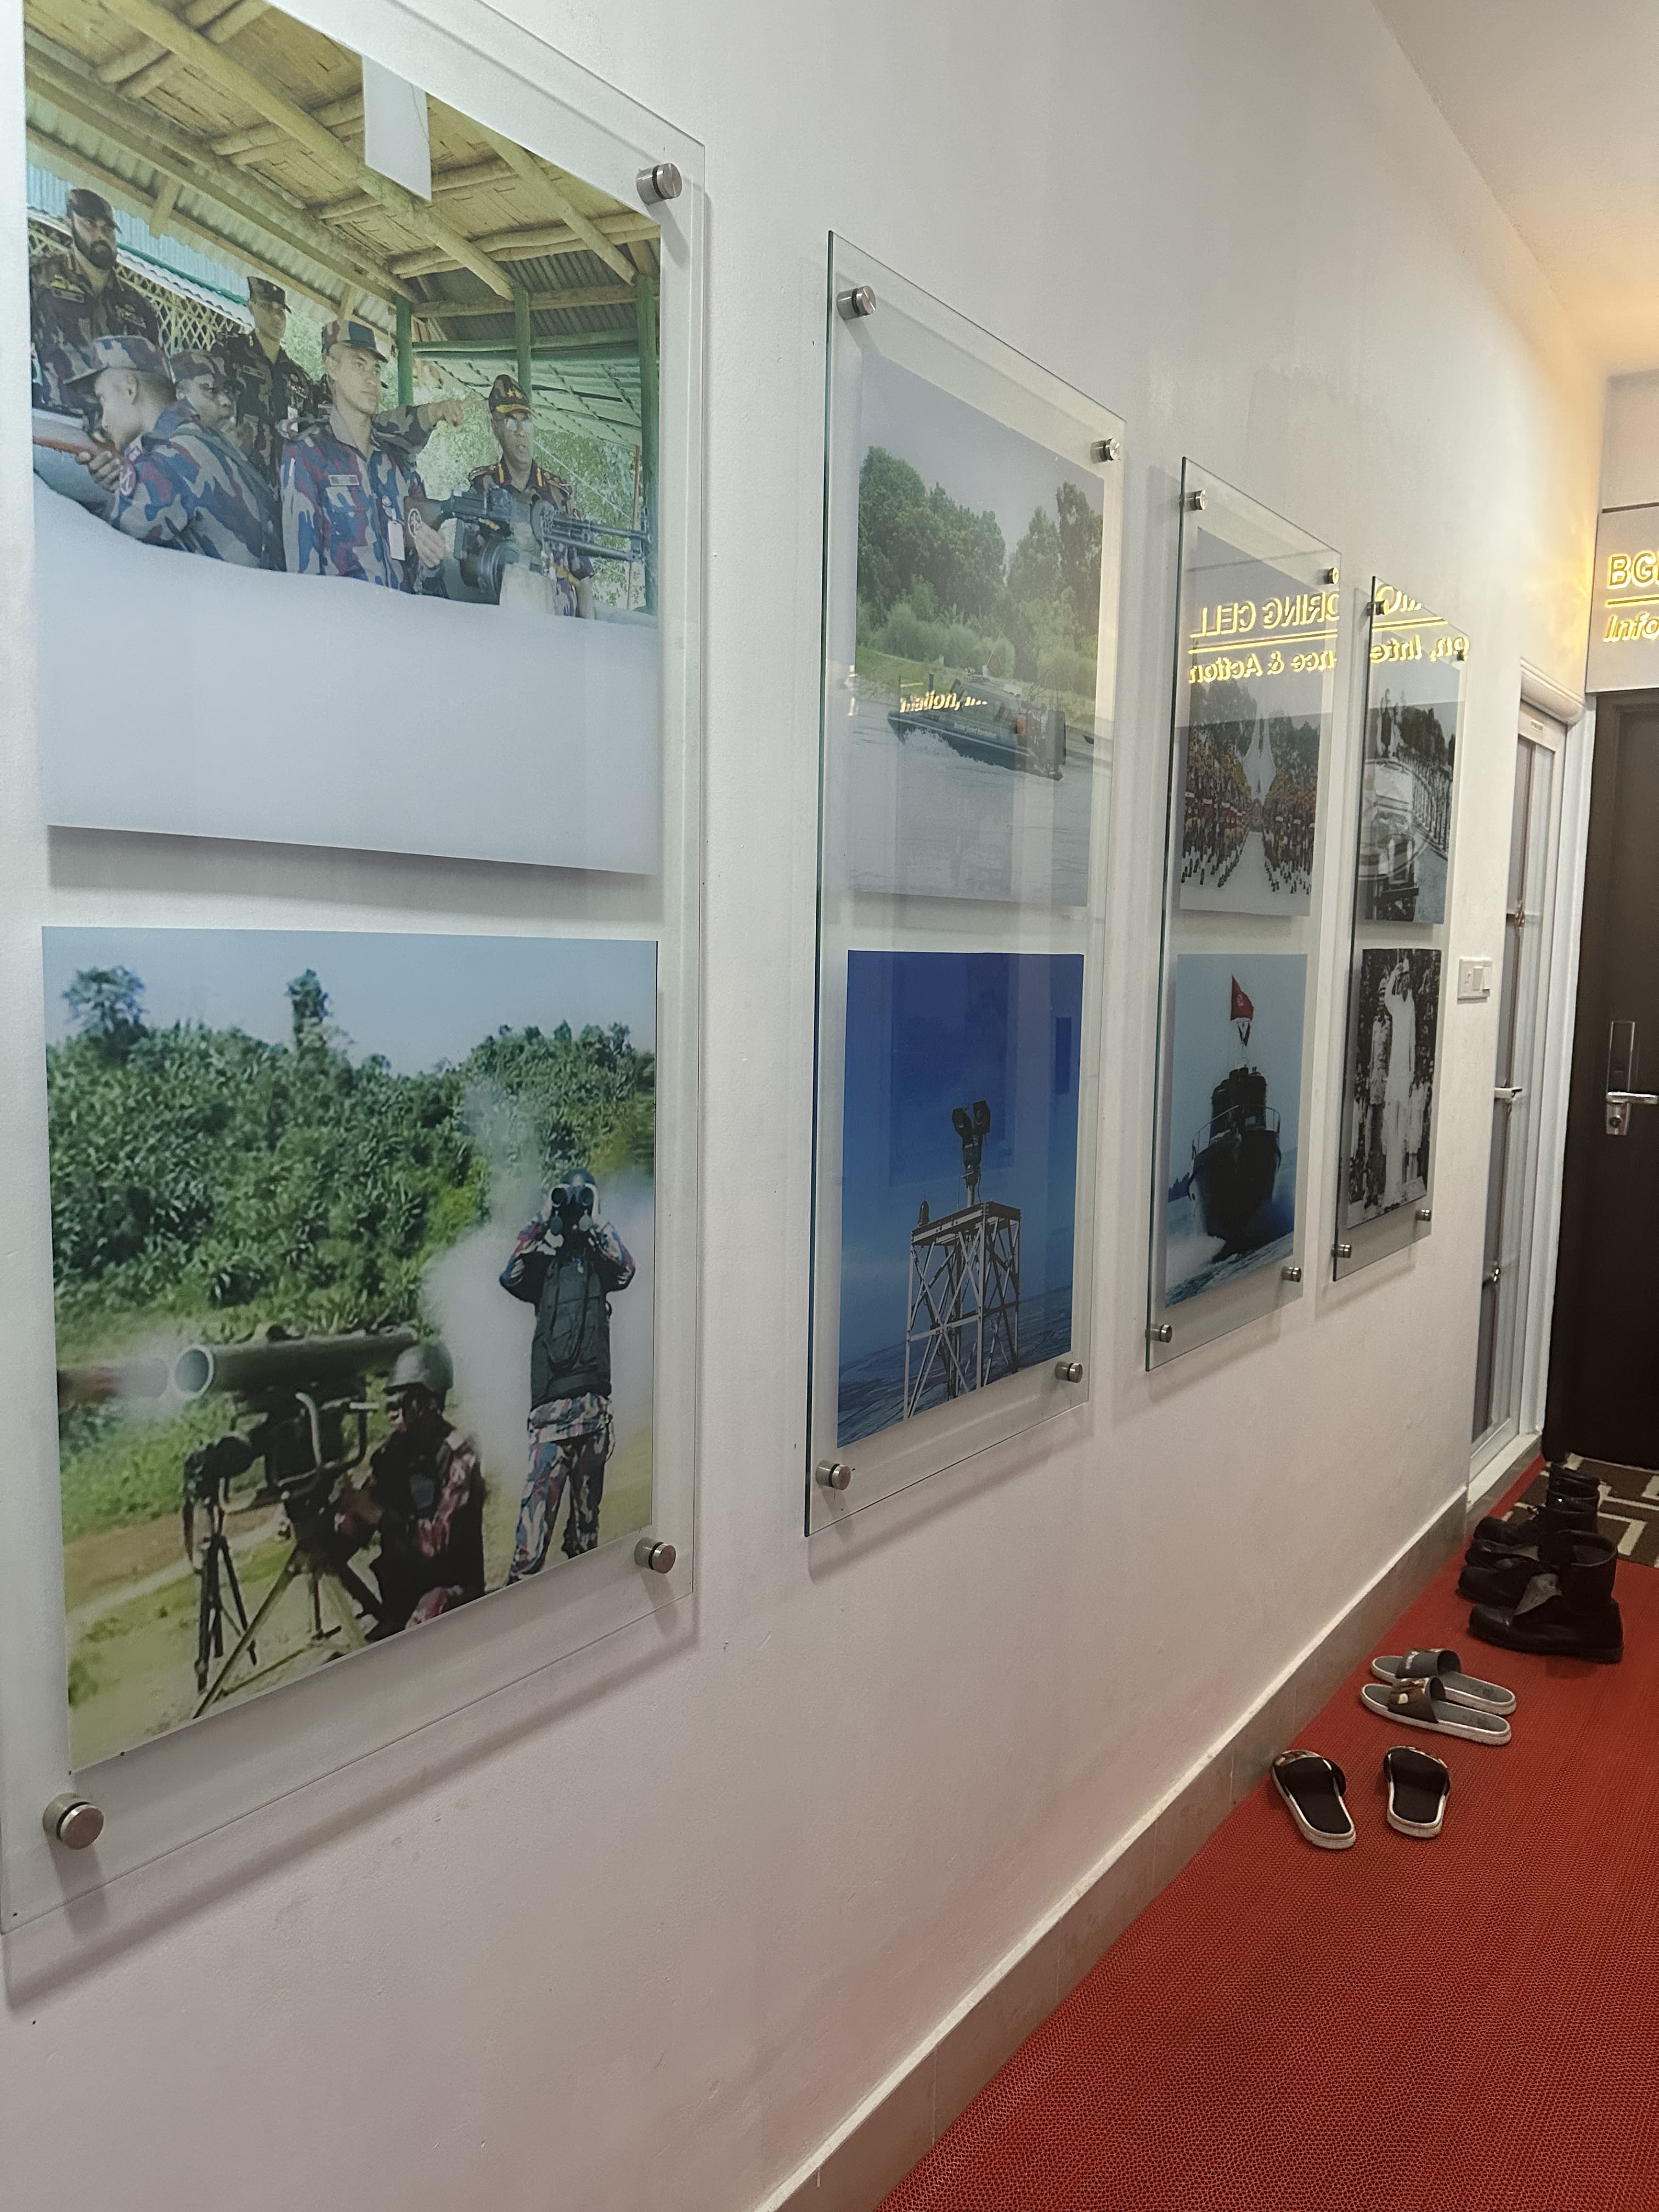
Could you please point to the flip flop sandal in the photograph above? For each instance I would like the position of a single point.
(1460, 1689)
(1424, 1704)
(1418, 1786)
(1312, 1788)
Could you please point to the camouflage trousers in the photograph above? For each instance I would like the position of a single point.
(555, 1462)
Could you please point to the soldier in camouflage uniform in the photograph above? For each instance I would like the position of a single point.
(200, 383)
(77, 294)
(521, 473)
(348, 500)
(567, 1263)
(180, 484)
(272, 398)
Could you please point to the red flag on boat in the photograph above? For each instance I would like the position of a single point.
(1243, 1010)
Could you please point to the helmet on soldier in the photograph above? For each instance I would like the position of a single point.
(426, 1367)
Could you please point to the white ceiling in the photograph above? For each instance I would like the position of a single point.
(1558, 103)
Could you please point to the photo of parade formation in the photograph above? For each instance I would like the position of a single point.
(1405, 821)
(353, 1241)
(1396, 1026)
(1251, 796)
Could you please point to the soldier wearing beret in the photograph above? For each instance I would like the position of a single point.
(271, 396)
(76, 294)
(348, 499)
(180, 485)
(569, 573)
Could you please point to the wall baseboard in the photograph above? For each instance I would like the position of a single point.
(906, 2114)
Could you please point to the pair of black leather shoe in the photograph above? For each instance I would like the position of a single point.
(1545, 1585)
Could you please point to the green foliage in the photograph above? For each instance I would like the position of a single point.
(117, 1470)
(937, 585)
(1295, 747)
(107, 1006)
(207, 1172)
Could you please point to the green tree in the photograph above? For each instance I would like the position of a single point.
(106, 1006)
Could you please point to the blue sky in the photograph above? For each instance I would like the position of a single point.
(927, 1031)
(415, 997)
(1206, 1041)
(979, 461)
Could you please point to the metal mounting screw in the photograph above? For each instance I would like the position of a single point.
(1163, 1334)
(1342, 1251)
(1292, 1274)
(69, 1820)
(833, 1474)
(1378, 607)
(1069, 1370)
(1461, 654)
(1104, 449)
(1425, 1214)
(660, 181)
(658, 1556)
(861, 301)
(1197, 501)
(1332, 575)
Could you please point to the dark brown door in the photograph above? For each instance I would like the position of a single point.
(1604, 1346)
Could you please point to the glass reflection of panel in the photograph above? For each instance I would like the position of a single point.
(1258, 634)
(1409, 737)
(974, 512)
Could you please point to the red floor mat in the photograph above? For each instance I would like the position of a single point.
(1470, 2024)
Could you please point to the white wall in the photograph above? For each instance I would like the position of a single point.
(1630, 458)
(643, 1939)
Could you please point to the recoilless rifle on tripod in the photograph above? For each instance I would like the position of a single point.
(302, 1415)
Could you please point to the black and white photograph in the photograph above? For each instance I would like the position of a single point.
(1411, 712)
(969, 731)
(1396, 1029)
(346, 440)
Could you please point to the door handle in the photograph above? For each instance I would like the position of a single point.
(1619, 1105)
(1621, 1094)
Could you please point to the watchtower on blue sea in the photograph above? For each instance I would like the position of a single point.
(963, 1324)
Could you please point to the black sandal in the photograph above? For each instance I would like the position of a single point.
(1418, 1786)
(1312, 1786)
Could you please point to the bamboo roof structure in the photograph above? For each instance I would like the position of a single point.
(232, 126)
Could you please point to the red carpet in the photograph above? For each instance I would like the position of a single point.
(1468, 2024)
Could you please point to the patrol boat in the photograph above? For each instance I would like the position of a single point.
(1236, 1154)
(987, 722)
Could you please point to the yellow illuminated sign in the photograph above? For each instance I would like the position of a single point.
(1282, 635)
(1633, 619)
(1399, 624)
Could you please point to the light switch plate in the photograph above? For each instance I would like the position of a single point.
(1474, 978)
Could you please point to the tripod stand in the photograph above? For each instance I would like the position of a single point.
(218, 1573)
(349, 1592)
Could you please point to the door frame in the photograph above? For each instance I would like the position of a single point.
(1566, 723)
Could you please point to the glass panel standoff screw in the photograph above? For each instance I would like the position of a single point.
(833, 1474)
(1163, 1334)
(660, 181)
(1104, 449)
(1425, 1214)
(861, 301)
(1292, 1274)
(1069, 1370)
(1342, 1251)
(659, 1558)
(1332, 575)
(71, 1821)
(1197, 501)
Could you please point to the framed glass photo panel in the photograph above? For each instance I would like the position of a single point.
(1414, 672)
(1258, 635)
(313, 325)
(972, 530)
(365, 467)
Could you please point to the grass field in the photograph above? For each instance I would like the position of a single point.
(131, 1596)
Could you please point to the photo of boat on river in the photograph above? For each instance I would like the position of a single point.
(970, 730)
(1235, 1090)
